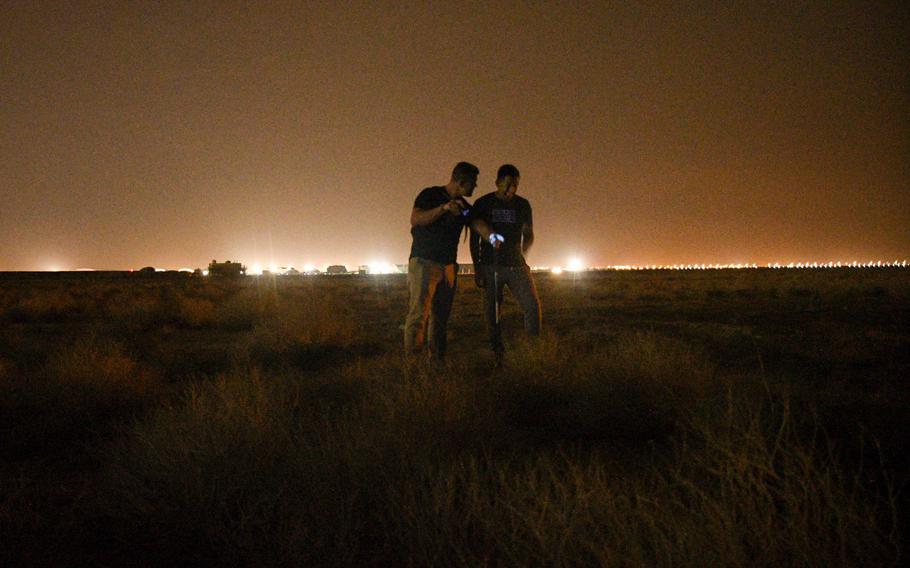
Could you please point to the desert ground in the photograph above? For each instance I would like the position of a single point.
(665, 418)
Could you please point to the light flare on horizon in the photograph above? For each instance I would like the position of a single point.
(382, 267)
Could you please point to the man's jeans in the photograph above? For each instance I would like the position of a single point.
(432, 288)
(519, 280)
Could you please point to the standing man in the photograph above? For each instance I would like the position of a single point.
(494, 268)
(437, 219)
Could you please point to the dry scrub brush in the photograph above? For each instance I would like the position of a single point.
(83, 385)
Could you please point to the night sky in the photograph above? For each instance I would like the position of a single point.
(169, 134)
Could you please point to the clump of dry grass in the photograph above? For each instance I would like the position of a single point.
(43, 306)
(195, 312)
(631, 390)
(81, 387)
(140, 311)
(102, 367)
(238, 311)
(301, 332)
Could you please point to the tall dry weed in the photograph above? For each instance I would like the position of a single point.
(631, 390)
(103, 367)
(81, 388)
(302, 333)
(138, 311)
(195, 312)
(44, 306)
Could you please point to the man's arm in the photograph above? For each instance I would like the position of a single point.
(428, 216)
(482, 228)
(527, 237)
(475, 246)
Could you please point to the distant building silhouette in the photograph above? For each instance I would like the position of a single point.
(336, 269)
(226, 269)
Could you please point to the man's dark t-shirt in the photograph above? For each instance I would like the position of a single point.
(437, 241)
(507, 219)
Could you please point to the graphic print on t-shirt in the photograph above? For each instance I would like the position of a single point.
(503, 215)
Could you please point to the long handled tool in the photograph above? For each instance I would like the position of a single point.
(496, 240)
(496, 280)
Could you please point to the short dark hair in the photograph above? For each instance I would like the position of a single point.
(506, 170)
(464, 171)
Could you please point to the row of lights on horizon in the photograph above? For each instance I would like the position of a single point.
(774, 265)
(577, 265)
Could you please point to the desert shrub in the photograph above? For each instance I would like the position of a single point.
(44, 306)
(221, 475)
(137, 311)
(82, 386)
(195, 312)
(238, 311)
(629, 391)
(96, 364)
(303, 333)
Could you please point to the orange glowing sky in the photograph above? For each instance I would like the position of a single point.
(169, 134)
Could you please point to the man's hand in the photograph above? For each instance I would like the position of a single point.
(479, 279)
(453, 207)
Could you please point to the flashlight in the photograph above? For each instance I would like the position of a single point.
(465, 207)
(495, 238)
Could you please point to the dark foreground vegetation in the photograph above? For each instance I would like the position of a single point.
(718, 418)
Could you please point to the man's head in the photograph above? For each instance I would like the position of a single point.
(464, 176)
(507, 181)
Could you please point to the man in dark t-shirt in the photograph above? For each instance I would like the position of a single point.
(494, 268)
(439, 215)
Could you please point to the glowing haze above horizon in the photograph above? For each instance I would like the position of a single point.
(170, 134)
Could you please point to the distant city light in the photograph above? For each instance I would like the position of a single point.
(309, 267)
(255, 270)
(575, 265)
(556, 270)
(382, 268)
